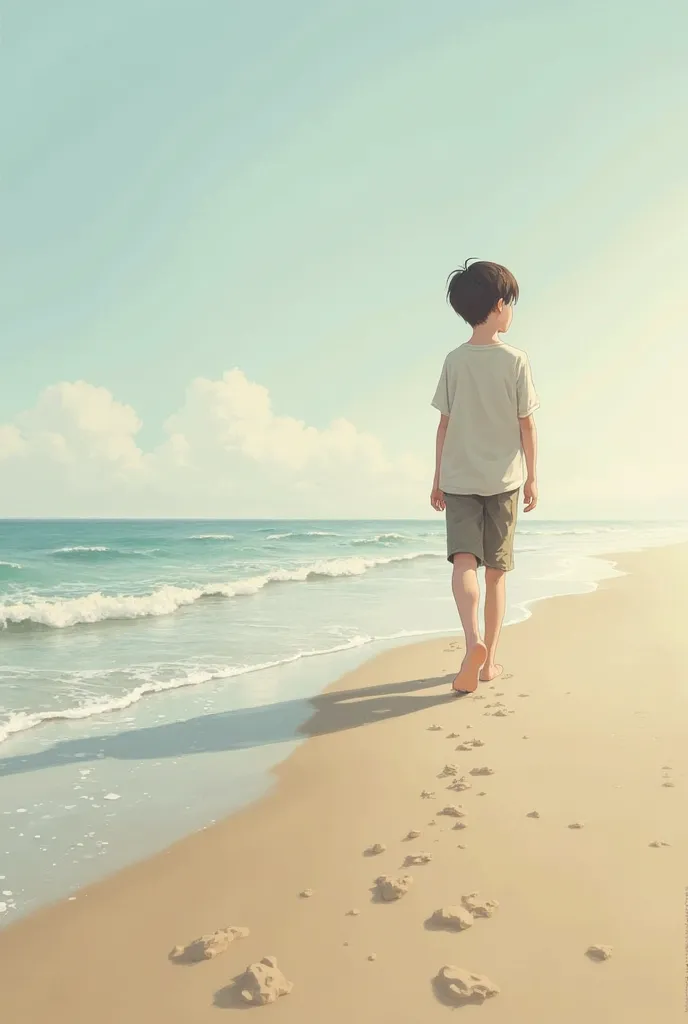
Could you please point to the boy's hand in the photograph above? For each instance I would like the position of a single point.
(530, 495)
(437, 500)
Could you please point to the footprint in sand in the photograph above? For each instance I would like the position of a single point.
(306, 894)
(576, 824)
(208, 946)
(464, 746)
(455, 986)
(598, 952)
(449, 769)
(453, 811)
(428, 794)
(389, 889)
(375, 850)
(459, 785)
(413, 834)
(659, 842)
(484, 770)
(415, 859)
(668, 785)
(435, 728)
(533, 814)
(477, 906)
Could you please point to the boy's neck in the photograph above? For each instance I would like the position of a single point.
(483, 337)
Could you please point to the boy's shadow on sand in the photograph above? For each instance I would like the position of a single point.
(245, 727)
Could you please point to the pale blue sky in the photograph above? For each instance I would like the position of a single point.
(283, 187)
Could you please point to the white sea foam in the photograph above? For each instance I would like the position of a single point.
(212, 536)
(302, 533)
(97, 607)
(380, 538)
(22, 721)
(11, 565)
(80, 549)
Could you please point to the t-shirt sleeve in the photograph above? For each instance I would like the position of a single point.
(441, 400)
(527, 400)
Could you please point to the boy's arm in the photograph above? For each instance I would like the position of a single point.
(439, 446)
(529, 445)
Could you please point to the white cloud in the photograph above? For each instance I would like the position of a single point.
(227, 453)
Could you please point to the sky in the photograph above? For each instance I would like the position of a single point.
(227, 228)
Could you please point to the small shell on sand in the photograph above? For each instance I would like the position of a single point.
(484, 770)
(533, 814)
(459, 986)
(413, 834)
(375, 850)
(264, 983)
(207, 947)
(477, 906)
(453, 811)
(576, 824)
(393, 888)
(306, 894)
(454, 918)
(598, 952)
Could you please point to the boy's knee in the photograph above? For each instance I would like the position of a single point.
(462, 560)
(494, 575)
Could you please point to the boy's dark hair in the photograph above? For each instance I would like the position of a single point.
(474, 291)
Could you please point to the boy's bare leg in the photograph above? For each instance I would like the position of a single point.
(495, 603)
(467, 596)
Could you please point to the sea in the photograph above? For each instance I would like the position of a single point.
(153, 673)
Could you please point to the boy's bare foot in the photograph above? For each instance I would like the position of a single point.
(490, 672)
(467, 679)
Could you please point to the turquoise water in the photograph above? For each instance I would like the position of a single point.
(151, 673)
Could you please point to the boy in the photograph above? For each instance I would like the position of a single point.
(486, 400)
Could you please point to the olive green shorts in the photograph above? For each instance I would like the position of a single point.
(483, 526)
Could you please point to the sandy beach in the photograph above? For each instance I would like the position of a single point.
(586, 728)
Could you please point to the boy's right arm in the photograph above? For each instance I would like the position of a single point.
(529, 445)
(437, 498)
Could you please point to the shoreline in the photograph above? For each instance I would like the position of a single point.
(83, 857)
(357, 781)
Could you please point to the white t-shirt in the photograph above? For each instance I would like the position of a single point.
(484, 389)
